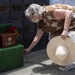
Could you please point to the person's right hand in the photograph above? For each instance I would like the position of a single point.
(26, 50)
(64, 34)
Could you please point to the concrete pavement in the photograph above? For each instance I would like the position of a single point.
(38, 64)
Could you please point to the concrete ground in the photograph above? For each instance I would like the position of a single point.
(38, 63)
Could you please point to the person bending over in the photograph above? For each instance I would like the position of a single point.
(57, 19)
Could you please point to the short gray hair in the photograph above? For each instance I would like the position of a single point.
(34, 10)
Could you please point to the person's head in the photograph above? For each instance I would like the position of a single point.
(34, 12)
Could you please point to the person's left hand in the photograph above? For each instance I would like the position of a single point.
(64, 34)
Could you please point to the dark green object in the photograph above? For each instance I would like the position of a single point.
(4, 26)
(11, 57)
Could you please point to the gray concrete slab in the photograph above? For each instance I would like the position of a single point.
(53, 70)
(38, 64)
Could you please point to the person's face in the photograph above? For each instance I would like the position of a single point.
(33, 14)
(36, 18)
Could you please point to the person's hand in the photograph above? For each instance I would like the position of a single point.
(26, 50)
(64, 34)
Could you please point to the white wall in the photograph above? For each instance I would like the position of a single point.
(55, 1)
(70, 2)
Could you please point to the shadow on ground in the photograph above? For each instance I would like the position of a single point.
(51, 70)
(38, 64)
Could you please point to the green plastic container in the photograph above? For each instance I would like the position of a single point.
(11, 57)
(4, 26)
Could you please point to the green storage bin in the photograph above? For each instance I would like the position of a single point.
(11, 57)
(4, 26)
